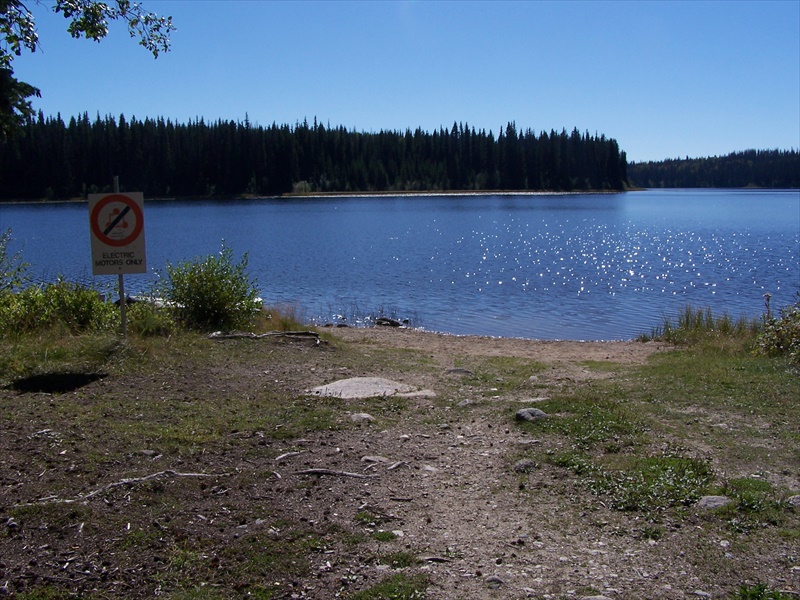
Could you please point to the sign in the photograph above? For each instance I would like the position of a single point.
(116, 223)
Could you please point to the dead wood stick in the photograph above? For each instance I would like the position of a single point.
(120, 483)
(218, 335)
(336, 473)
(289, 455)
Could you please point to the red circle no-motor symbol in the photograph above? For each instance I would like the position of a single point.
(110, 220)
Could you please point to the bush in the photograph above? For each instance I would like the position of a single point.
(12, 268)
(71, 306)
(212, 293)
(781, 336)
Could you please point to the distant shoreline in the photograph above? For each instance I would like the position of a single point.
(293, 196)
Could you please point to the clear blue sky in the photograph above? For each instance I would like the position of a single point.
(666, 79)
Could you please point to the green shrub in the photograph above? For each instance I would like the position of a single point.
(71, 306)
(12, 268)
(146, 319)
(212, 293)
(781, 336)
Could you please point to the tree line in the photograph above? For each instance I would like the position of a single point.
(750, 168)
(49, 158)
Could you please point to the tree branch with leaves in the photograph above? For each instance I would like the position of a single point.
(87, 19)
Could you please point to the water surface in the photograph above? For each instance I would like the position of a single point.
(580, 266)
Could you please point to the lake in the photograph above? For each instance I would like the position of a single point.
(545, 266)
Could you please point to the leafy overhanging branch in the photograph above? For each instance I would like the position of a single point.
(87, 19)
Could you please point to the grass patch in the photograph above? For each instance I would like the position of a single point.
(761, 591)
(396, 587)
(591, 417)
(398, 560)
(649, 484)
(603, 366)
(499, 374)
(756, 504)
(695, 326)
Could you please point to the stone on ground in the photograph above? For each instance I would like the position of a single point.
(361, 387)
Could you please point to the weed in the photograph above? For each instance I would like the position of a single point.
(147, 319)
(396, 587)
(750, 494)
(652, 533)
(760, 591)
(701, 326)
(648, 484)
(280, 318)
(501, 373)
(384, 536)
(755, 504)
(588, 419)
(47, 592)
(202, 593)
(399, 560)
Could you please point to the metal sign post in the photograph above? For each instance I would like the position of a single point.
(123, 302)
(116, 225)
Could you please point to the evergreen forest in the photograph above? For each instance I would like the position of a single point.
(751, 168)
(51, 159)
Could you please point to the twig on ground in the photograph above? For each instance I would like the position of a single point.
(298, 335)
(116, 484)
(289, 455)
(336, 473)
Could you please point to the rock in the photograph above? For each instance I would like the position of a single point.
(712, 502)
(374, 459)
(361, 387)
(595, 598)
(526, 465)
(387, 322)
(494, 582)
(530, 414)
(793, 501)
(418, 394)
(464, 403)
(460, 371)
(361, 417)
(701, 594)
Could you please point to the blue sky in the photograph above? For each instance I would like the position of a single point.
(665, 79)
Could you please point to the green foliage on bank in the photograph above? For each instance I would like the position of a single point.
(12, 267)
(213, 292)
(780, 336)
(61, 305)
(209, 293)
(769, 335)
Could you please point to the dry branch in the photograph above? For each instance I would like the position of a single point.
(298, 335)
(120, 483)
(336, 473)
